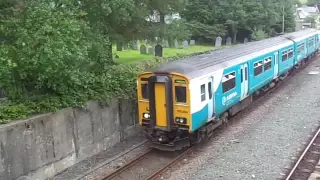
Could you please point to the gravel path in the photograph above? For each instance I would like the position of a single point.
(106, 161)
(262, 140)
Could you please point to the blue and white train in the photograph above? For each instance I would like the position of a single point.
(181, 102)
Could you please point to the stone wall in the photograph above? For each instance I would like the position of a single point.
(45, 145)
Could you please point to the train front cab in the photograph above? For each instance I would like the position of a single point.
(164, 110)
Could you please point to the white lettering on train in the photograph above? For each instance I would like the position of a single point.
(227, 98)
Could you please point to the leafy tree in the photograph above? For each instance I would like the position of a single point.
(313, 2)
(47, 51)
(202, 17)
(258, 34)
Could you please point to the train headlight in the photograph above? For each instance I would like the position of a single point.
(181, 120)
(146, 115)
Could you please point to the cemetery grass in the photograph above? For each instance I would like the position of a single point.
(129, 56)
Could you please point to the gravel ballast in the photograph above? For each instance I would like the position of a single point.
(262, 140)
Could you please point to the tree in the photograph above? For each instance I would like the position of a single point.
(209, 18)
(48, 50)
(202, 18)
(313, 2)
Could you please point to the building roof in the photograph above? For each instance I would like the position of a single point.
(305, 11)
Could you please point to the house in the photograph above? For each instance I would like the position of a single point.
(307, 16)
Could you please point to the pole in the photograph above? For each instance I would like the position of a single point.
(283, 19)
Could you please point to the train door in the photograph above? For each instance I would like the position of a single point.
(244, 81)
(276, 65)
(160, 104)
(211, 98)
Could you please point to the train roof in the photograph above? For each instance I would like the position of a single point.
(300, 35)
(200, 65)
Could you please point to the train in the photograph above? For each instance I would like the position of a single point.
(182, 102)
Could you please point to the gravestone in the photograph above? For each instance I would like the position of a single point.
(185, 44)
(119, 47)
(135, 45)
(158, 50)
(125, 47)
(245, 40)
(218, 41)
(150, 50)
(143, 49)
(229, 41)
(192, 42)
(176, 44)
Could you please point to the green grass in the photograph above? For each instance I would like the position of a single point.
(127, 56)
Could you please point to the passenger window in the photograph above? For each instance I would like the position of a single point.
(267, 64)
(284, 56)
(228, 82)
(300, 48)
(144, 91)
(181, 94)
(290, 55)
(210, 90)
(203, 93)
(258, 68)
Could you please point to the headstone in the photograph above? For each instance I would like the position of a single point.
(135, 45)
(119, 47)
(185, 44)
(245, 40)
(143, 49)
(218, 41)
(229, 41)
(176, 44)
(150, 50)
(158, 50)
(192, 42)
(125, 47)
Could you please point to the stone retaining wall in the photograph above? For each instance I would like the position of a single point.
(42, 146)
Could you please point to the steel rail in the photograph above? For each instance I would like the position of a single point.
(127, 166)
(302, 156)
(175, 160)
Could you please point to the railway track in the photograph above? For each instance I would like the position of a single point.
(308, 160)
(148, 166)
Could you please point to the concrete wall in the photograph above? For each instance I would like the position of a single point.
(45, 145)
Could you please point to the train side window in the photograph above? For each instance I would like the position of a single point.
(181, 94)
(300, 48)
(290, 54)
(228, 82)
(258, 68)
(203, 93)
(267, 64)
(210, 90)
(144, 91)
(284, 56)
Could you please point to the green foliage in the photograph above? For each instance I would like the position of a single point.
(57, 54)
(258, 34)
(210, 18)
(311, 2)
